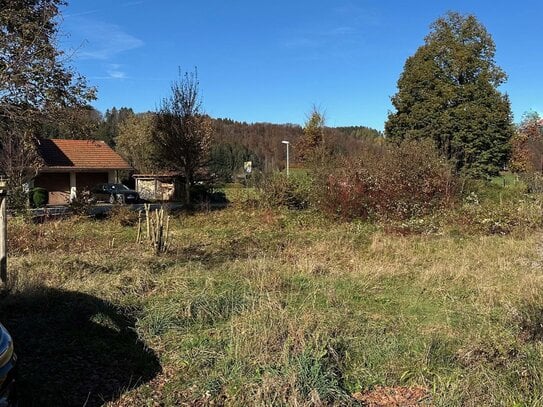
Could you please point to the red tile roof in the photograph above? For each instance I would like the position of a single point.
(80, 155)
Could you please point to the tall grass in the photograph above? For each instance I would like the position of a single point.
(276, 307)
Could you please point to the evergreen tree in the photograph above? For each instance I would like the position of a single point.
(109, 128)
(80, 122)
(227, 159)
(448, 92)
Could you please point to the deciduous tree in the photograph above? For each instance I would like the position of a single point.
(182, 131)
(448, 92)
(35, 82)
(527, 145)
(135, 142)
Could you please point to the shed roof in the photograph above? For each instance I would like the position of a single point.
(160, 175)
(59, 154)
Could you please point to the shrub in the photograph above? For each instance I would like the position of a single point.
(204, 193)
(293, 192)
(496, 191)
(123, 215)
(81, 204)
(392, 181)
(533, 182)
(39, 197)
(492, 219)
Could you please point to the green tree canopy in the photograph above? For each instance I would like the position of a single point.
(108, 130)
(448, 92)
(36, 85)
(227, 159)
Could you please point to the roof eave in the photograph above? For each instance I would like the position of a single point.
(82, 169)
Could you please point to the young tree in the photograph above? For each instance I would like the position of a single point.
(182, 131)
(448, 92)
(312, 140)
(35, 83)
(135, 142)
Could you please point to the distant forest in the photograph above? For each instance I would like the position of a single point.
(233, 142)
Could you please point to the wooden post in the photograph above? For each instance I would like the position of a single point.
(167, 232)
(138, 237)
(147, 220)
(3, 241)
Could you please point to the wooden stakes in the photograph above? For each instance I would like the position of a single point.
(157, 232)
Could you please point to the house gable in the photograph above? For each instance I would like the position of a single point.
(79, 155)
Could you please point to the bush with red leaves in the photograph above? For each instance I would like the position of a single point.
(392, 181)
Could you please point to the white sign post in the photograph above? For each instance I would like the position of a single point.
(248, 167)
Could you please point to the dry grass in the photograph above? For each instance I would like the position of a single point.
(263, 307)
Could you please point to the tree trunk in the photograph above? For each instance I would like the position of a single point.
(188, 184)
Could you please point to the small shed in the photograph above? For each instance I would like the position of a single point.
(158, 187)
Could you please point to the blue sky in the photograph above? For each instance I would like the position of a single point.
(270, 61)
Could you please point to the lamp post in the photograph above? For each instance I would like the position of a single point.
(287, 143)
(3, 231)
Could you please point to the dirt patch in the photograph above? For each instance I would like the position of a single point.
(399, 396)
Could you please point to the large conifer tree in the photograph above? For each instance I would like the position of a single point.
(448, 92)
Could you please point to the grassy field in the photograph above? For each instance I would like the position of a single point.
(277, 308)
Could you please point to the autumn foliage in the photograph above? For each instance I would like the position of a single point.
(527, 146)
(388, 181)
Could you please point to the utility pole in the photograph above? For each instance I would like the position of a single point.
(3, 232)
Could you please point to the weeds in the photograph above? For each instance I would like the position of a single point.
(276, 307)
(278, 190)
(387, 182)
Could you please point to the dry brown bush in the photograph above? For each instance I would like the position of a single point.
(391, 181)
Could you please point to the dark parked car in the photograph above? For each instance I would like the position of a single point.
(114, 193)
(7, 369)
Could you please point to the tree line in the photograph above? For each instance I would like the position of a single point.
(232, 142)
(448, 93)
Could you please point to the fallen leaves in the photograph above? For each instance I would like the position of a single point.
(399, 396)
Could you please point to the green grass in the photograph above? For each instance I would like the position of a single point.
(276, 307)
(504, 187)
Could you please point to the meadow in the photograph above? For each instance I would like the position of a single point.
(277, 307)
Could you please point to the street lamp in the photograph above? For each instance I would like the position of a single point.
(287, 143)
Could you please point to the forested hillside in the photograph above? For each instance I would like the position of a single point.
(233, 142)
(262, 141)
